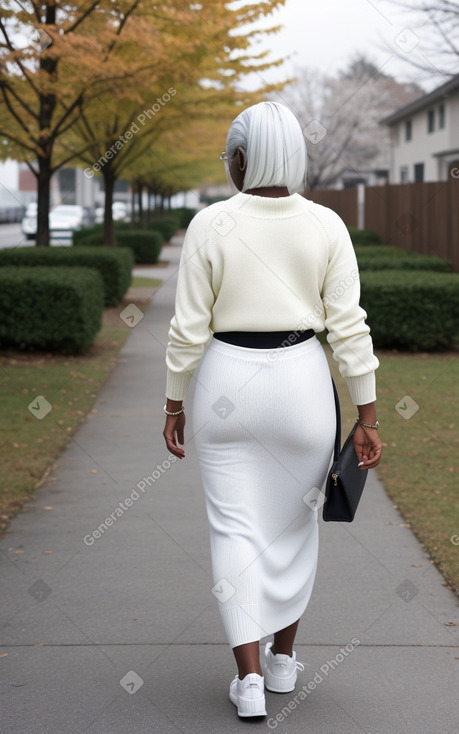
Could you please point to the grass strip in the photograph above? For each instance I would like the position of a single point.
(70, 384)
(139, 281)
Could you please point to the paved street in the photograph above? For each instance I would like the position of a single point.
(11, 236)
(118, 632)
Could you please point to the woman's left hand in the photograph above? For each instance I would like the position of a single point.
(368, 446)
(174, 434)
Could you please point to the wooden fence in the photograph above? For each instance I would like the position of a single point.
(419, 217)
(343, 202)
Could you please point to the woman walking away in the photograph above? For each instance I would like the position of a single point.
(259, 274)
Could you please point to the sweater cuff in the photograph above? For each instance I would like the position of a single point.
(177, 384)
(362, 389)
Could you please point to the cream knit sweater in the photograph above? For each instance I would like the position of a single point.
(254, 263)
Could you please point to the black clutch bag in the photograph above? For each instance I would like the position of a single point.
(345, 481)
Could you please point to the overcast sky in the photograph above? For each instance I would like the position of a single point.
(327, 33)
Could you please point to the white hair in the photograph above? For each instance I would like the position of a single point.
(274, 143)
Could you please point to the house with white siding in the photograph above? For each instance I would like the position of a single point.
(425, 136)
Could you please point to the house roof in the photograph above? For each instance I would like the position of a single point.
(450, 151)
(422, 102)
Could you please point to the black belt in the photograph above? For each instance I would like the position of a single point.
(264, 339)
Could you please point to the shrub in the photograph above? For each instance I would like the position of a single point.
(409, 262)
(50, 308)
(411, 310)
(145, 244)
(81, 234)
(378, 250)
(167, 226)
(114, 264)
(364, 236)
(185, 216)
(91, 239)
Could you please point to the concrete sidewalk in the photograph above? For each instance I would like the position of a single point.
(121, 634)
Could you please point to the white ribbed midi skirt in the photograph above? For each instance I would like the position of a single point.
(264, 426)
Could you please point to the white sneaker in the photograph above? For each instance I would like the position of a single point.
(280, 671)
(248, 695)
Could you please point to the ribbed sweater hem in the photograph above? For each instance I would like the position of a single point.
(362, 389)
(177, 384)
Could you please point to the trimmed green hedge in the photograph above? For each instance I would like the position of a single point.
(379, 250)
(168, 227)
(92, 239)
(364, 236)
(146, 245)
(409, 262)
(123, 226)
(411, 310)
(57, 308)
(113, 264)
(185, 215)
(82, 234)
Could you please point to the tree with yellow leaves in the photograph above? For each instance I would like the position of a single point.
(55, 58)
(180, 160)
(76, 78)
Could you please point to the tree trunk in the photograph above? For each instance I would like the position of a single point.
(47, 105)
(43, 184)
(132, 223)
(109, 182)
(148, 205)
(139, 195)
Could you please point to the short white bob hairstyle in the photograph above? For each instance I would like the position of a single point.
(274, 144)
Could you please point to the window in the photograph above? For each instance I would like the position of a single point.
(419, 172)
(430, 121)
(404, 175)
(408, 130)
(441, 116)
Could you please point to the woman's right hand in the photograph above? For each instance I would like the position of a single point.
(368, 446)
(174, 434)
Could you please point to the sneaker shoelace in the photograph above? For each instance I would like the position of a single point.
(284, 663)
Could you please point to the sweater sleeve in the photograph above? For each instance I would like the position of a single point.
(348, 333)
(189, 328)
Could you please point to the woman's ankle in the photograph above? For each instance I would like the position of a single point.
(244, 671)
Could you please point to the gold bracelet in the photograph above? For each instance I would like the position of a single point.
(367, 425)
(168, 412)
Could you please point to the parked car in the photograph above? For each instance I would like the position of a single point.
(119, 212)
(11, 214)
(64, 219)
(29, 221)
